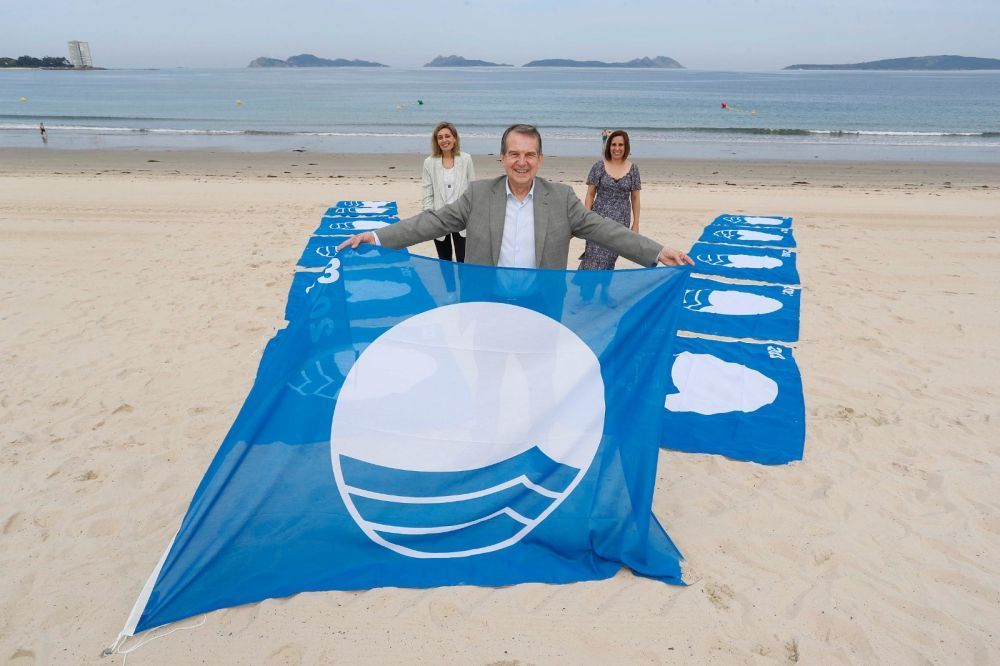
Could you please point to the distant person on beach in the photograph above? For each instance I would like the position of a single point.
(520, 220)
(613, 192)
(604, 138)
(43, 132)
(447, 173)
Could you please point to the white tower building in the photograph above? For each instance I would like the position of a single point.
(79, 54)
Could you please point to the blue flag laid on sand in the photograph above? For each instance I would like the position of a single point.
(740, 310)
(365, 204)
(753, 221)
(337, 226)
(745, 263)
(423, 423)
(735, 399)
(321, 249)
(363, 210)
(746, 236)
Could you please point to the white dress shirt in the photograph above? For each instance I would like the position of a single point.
(517, 248)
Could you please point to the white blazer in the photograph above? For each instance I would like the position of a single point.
(432, 182)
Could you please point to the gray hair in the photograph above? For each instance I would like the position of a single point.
(520, 128)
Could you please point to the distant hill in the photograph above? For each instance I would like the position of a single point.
(939, 63)
(659, 62)
(459, 61)
(309, 60)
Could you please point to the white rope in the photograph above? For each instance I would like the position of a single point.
(116, 647)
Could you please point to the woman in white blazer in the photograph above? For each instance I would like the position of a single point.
(447, 172)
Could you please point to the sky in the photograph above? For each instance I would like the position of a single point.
(705, 34)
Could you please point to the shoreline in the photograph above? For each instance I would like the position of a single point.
(292, 165)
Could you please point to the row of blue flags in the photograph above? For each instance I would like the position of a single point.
(741, 397)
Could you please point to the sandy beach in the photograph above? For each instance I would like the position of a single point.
(137, 292)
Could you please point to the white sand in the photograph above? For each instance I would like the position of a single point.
(134, 308)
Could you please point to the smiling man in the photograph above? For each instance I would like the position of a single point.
(521, 220)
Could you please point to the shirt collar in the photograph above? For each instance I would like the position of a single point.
(531, 192)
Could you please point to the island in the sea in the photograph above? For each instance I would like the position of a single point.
(30, 62)
(459, 61)
(937, 63)
(309, 60)
(659, 62)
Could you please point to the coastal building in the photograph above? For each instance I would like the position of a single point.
(79, 54)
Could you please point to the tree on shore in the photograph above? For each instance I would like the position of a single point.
(31, 61)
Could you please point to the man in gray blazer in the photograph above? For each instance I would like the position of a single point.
(521, 220)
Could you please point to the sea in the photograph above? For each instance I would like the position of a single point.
(676, 114)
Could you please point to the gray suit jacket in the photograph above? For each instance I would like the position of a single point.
(559, 215)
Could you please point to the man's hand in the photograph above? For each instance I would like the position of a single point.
(671, 257)
(365, 237)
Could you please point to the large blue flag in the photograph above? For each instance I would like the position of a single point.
(423, 423)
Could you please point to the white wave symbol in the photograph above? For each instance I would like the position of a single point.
(708, 385)
(739, 260)
(328, 251)
(522, 482)
(360, 225)
(359, 210)
(728, 302)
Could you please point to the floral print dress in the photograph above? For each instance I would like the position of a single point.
(613, 201)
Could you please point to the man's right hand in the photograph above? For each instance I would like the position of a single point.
(357, 239)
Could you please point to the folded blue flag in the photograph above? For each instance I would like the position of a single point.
(384, 208)
(740, 310)
(745, 263)
(753, 221)
(768, 237)
(337, 226)
(735, 399)
(423, 423)
(321, 249)
(364, 204)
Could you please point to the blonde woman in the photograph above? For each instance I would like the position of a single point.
(447, 172)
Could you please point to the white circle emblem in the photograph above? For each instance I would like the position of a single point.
(461, 429)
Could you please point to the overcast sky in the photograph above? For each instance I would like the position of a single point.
(700, 34)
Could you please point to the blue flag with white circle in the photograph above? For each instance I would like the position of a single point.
(746, 263)
(735, 399)
(761, 312)
(762, 237)
(423, 423)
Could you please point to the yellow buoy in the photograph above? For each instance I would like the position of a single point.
(239, 102)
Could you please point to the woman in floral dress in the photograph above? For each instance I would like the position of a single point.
(612, 191)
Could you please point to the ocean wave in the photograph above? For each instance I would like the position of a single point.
(794, 131)
(125, 119)
(408, 129)
(564, 133)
